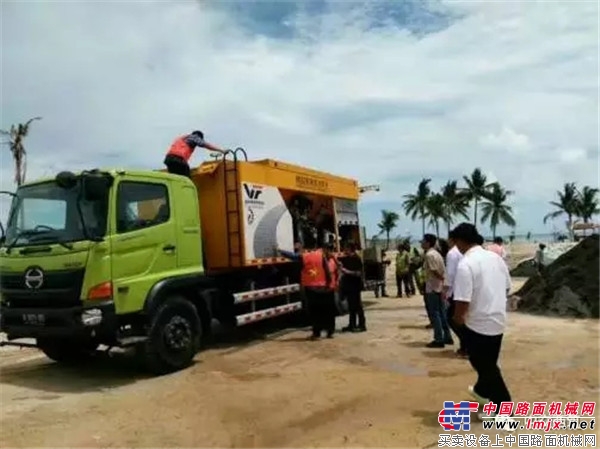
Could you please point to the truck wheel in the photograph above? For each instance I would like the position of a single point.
(174, 336)
(67, 351)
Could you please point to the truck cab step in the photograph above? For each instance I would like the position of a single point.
(131, 341)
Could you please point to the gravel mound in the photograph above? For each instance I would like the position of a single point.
(568, 287)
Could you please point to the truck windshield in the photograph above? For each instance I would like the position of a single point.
(47, 213)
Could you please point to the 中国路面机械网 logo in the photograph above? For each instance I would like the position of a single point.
(456, 416)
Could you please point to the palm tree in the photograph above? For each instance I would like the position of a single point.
(495, 209)
(476, 190)
(587, 203)
(415, 204)
(567, 204)
(389, 220)
(16, 136)
(455, 201)
(436, 211)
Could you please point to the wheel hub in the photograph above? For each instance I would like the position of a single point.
(178, 333)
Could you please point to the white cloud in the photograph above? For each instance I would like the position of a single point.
(508, 140)
(116, 82)
(572, 155)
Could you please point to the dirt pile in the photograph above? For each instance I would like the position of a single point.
(568, 286)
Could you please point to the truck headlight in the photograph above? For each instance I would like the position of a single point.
(91, 317)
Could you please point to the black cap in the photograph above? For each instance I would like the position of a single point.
(467, 233)
(198, 133)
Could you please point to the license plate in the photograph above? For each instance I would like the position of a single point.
(33, 319)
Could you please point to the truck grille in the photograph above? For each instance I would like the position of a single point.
(60, 289)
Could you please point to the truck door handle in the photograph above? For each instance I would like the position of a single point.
(168, 248)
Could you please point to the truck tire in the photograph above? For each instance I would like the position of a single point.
(67, 351)
(173, 337)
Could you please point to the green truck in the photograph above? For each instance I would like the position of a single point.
(127, 258)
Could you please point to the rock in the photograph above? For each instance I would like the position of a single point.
(569, 286)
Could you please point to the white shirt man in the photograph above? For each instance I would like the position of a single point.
(452, 258)
(482, 280)
(480, 293)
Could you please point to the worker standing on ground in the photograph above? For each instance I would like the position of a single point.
(540, 263)
(181, 150)
(481, 287)
(316, 281)
(331, 309)
(403, 271)
(416, 262)
(435, 272)
(382, 267)
(452, 259)
(351, 285)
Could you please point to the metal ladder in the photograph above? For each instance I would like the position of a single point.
(235, 246)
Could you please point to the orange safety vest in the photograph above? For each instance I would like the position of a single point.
(181, 149)
(333, 269)
(313, 274)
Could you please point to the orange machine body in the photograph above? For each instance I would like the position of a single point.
(228, 190)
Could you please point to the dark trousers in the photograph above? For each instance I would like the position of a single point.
(177, 165)
(483, 351)
(404, 279)
(322, 311)
(436, 310)
(355, 308)
(456, 328)
(412, 276)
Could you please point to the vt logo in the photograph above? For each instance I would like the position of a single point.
(251, 193)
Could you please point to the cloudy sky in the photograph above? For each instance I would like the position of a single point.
(384, 92)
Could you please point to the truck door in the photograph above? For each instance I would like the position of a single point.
(144, 248)
(190, 258)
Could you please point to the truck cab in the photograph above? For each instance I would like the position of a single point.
(105, 257)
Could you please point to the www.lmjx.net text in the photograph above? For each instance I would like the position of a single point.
(544, 423)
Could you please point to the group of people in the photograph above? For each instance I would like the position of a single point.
(465, 292)
(322, 276)
(465, 288)
(408, 263)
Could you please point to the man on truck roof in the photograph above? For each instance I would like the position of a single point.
(180, 152)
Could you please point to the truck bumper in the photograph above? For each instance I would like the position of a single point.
(89, 320)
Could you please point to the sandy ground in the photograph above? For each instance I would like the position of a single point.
(274, 389)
